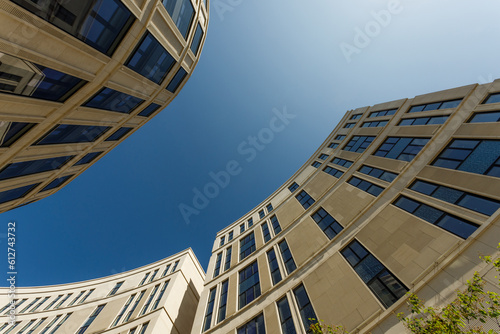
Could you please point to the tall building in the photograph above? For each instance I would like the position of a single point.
(157, 298)
(402, 196)
(78, 77)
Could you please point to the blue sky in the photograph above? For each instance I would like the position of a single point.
(315, 61)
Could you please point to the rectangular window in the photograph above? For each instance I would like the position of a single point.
(222, 241)
(464, 199)
(13, 194)
(340, 137)
(101, 25)
(18, 169)
(286, 320)
(60, 323)
(56, 183)
(227, 263)
(37, 306)
(175, 266)
(165, 272)
(250, 222)
(113, 100)
(230, 237)
(386, 287)
(12, 131)
(91, 319)
(436, 105)
(286, 254)
(333, 145)
(119, 134)
(217, 265)
(177, 80)
(242, 228)
(269, 208)
(249, 287)
(182, 13)
(275, 224)
(485, 117)
(265, 232)
(144, 279)
(423, 120)
(388, 112)
(305, 199)
(333, 172)
(374, 124)
(254, 326)
(150, 59)
(88, 158)
(305, 307)
(378, 173)
(115, 289)
(401, 148)
(316, 164)
(474, 156)
(349, 125)
(12, 327)
(153, 276)
(294, 186)
(327, 223)
(124, 309)
(450, 223)
(356, 116)
(137, 301)
(369, 187)
(53, 302)
(62, 301)
(69, 134)
(36, 326)
(247, 246)
(223, 301)
(28, 325)
(45, 330)
(273, 266)
(261, 214)
(358, 143)
(30, 305)
(76, 298)
(342, 162)
(86, 296)
(143, 328)
(149, 110)
(158, 299)
(149, 300)
(198, 36)
(492, 98)
(210, 309)
(323, 157)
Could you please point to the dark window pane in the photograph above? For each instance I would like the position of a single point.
(56, 183)
(457, 226)
(432, 106)
(112, 100)
(423, 187)
(486, 117)
(12, 194)
(479, 204)
(149, 110)
(17, 169)
(198, 36)
(10, 132)
(176, 80)
(67, 134)
(89, 157)
(118, 134)
(181, 12)
(450, 104)
(492, 98)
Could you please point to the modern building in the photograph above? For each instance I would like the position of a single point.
(77, 77)
(157, 298)
(402, 196)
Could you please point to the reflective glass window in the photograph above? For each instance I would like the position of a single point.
(149, 110)
(182, 13)
(119, 134)
(113, 100)
(87, 158)
(57, 182)
(68, 133)
(18, 169)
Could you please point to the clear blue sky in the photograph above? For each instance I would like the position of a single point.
(123, 212)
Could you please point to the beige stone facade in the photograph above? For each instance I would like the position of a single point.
(401, 196)
(157, 298)
(78, 77)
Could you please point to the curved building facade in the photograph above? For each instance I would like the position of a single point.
(78, 77)
(157, 298)
(402, 196)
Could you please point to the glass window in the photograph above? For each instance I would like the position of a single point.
(323, 156)
(68, 133)
(327, 223)
(316, 164)
(269, 207)
(294, 186)
(436, 105)
(37, 306)
(150, 59)
(149, 300)
(144, 279)
(474, 156)
(115, 289)
(401, 148)
(22, 330)
(227, 263)
(218, 262)
(265, 232)
(356, 116)
(485, 117)
(492, 98)
(275, 224)
(349, 125)
(144, 327)
(165, 272)
(254, 326)
(222, 302)
(450, 223)
(386, 287)
(10, 132)
(250, 222)
(198, 36)
(59, 324)
(88, 158)
(305, 307)
(369, 187)
(230, 236)
(210, 309)
(23, 168)
(33, 302)
(134, 306)
(153, 276)
(389, 112)
(86, 296)
(249, 286)
(374, 124)
(340, 137)
(158, 299)
(305, 199)
(286, 254)
(62, 301)
(149, 110)
(36, 326)
(222, 241)
(182, 13)
(333, 145)
(99, 23)
(358, 143)
(261, 214)
(333, 172)
(50, 324)
(242, 228)
(378, 173)
(113, 100)
(76, 298)
(124, 309)
(273, 266)
(286, 320)
(464, 199)
(16, 193)
(177, 80)
(118, 134)
(342, 162)
(90, 319)
(423, 120)
(32, 80)
(247, 246)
